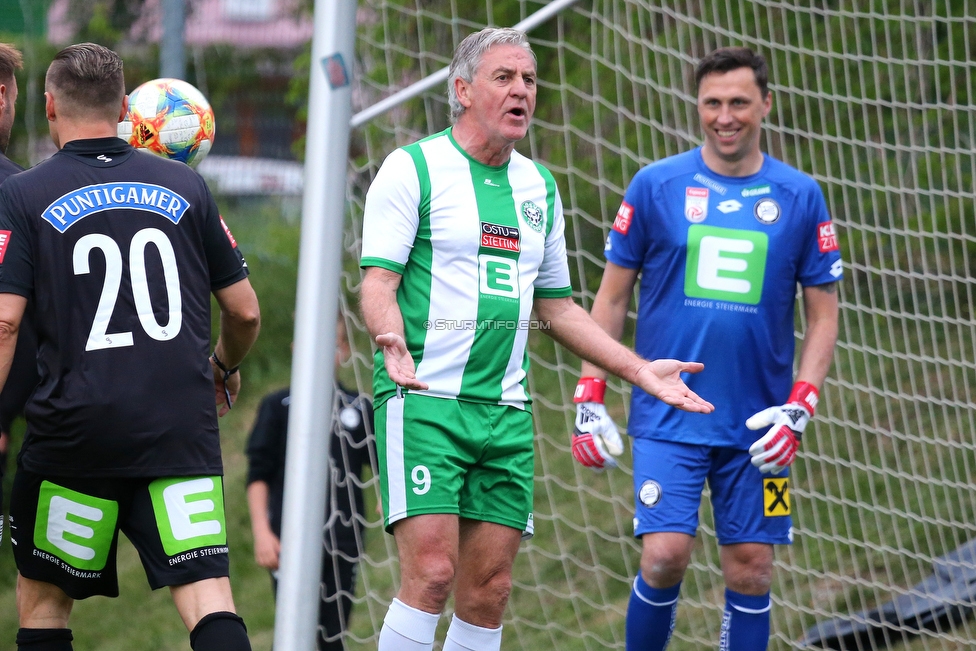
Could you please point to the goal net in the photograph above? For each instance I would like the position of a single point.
(874, 100)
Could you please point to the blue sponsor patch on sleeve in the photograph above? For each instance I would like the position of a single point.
(78, 204)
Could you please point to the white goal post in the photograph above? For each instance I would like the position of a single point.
(317, 300)
(872, 99)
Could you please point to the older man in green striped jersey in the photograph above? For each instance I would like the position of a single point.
(462, 240)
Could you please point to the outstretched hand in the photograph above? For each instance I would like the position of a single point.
(661, 378)
(398, 362)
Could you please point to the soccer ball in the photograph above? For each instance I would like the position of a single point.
(171, 118)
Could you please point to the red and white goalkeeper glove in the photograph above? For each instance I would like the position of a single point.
(775, 451)
(595, 438)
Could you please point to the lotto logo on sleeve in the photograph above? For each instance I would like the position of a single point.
(827, 237)
(625, 215)
(4, 241)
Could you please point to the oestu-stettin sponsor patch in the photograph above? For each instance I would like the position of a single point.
(496, 236)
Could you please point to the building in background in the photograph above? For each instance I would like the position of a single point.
(241, 54)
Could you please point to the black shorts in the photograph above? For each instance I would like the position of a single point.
(65, 530)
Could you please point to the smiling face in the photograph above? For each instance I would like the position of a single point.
(731, 108)
(499, 102)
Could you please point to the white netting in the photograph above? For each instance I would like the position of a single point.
(874, 99)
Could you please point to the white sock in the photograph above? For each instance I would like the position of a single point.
(462, 636)
(407, 629)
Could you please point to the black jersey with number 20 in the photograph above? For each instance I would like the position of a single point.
(119, 250)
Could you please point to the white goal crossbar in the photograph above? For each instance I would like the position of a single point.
(439, 77)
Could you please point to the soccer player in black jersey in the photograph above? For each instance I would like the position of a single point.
(119, 252)
(12, 400)
(10, 61)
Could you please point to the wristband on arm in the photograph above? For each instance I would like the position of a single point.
(227, 373)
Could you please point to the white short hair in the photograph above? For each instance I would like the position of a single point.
(468, 56)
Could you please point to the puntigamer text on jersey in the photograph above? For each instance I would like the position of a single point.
(78, 204)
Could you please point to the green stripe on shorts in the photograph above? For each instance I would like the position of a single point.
(438, 455)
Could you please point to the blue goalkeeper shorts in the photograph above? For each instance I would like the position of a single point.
(669, 477)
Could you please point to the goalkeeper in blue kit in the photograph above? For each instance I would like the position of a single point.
(720, 236)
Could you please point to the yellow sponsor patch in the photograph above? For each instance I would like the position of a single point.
(776, 496)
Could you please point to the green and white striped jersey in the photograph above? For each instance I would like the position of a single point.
(474, 244)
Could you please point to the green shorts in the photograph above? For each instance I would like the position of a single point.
(439, 455)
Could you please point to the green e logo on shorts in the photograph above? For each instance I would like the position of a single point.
(75, 527)
(189, 512)
(725, 264)
(499, 276)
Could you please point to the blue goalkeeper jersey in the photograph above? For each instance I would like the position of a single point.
(720, 258)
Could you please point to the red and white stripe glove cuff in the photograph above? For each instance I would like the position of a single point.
(803, 393)
(590, 389)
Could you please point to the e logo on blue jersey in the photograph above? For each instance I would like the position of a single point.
(725, 264)
(78, 204)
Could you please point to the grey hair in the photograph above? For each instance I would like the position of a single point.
(468, 55)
